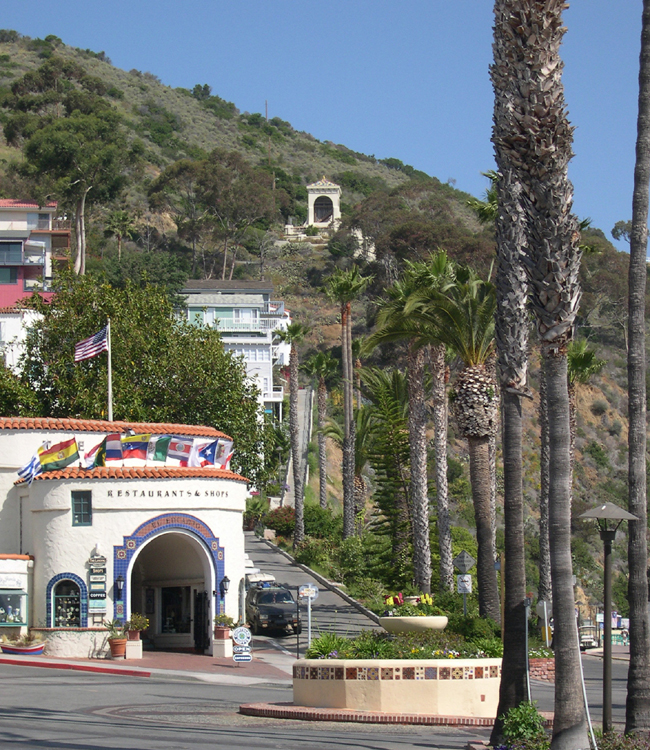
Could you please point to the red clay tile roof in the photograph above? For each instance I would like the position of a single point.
(13, 203)
(5, 556)
(101, 425)
(139, 472)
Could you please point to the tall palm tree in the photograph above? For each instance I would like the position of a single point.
(119, 224)
(637, 711)
(537, 136)
(343, 286)
(511, 333)
(322, 367)
(463, 319)
(294, 335)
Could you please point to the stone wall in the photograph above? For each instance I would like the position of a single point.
(542, 669)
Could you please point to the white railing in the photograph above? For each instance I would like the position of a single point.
(239, 326)
(276, 395)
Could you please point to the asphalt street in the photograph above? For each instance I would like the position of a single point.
(79, 711)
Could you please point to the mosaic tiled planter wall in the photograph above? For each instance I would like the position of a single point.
(443, 687)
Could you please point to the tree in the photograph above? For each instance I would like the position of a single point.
(294, 335)
(463, 319)
(164, 370)
(322, 367)
(119, 224)
(16, 398)
(343, 287)
(538, 137)
(637, 710)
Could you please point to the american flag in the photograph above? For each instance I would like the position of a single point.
(92, 346)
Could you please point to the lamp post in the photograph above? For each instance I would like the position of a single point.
(609, 517)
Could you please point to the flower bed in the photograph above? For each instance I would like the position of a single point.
(462, 687)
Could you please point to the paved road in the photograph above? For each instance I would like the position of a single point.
(78, 711)
(329, 612)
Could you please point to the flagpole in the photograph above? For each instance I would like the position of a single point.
(110, 373)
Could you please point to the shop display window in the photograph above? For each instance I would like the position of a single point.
(67, 605)
(13, 607)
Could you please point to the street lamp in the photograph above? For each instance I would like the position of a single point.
(609, 517)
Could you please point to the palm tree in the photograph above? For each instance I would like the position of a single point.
(294, 335)
(322, 367)
(119, 224)
(637, 711)
(463, 319)
(536, 135)
(343, 287)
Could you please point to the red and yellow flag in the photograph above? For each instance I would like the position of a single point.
(58, 456)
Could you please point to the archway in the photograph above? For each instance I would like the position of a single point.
(323, 209)
(171, 577)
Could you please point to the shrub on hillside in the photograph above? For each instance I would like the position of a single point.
(321, 523)
(281, 520)
(473, 628)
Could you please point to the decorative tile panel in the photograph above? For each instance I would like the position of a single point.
(445, 673)
(478, 673)
(408, 673)
(386, 673)
(372, 673)
(494, 671)
(457, 673)
(430, 673)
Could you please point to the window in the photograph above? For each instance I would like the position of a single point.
(11, 252)
(67, 605)
(196, 316)
(43, 221)
(82, 508)
(13, 607)
(8, 275)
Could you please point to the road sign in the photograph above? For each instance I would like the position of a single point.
(464, 583)
(242, 657)
(242, 636)
(308, 591)
(464, 561)
(241, 649)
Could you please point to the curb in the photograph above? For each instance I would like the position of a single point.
(77, 667)
(348, 715)
(324, 582)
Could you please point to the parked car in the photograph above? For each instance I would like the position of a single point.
(271, 608)
(588, 637)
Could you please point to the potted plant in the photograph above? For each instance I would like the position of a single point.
(135, 625)
(222, 625)
(116, 638)
(29, 644)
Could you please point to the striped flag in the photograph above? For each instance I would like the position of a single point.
(92, 346)
(31, 469)
(58, 456)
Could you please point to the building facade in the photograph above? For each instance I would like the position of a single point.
(80, 546)
(248, 320)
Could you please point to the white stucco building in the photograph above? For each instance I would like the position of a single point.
(323, 204)
(79, 546)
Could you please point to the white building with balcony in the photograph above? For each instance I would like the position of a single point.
(248, 320)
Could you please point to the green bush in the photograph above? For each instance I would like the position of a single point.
(473, 628)
(311, 231)
(523, 723)
(321, 523)
(598, 453)
(599, 407)
(315, 553)
(329, 646)
(281, 520)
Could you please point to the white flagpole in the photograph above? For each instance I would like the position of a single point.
(110, 373)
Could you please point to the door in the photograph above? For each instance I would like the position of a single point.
(201, 625)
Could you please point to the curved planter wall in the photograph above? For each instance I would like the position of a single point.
(442, 687)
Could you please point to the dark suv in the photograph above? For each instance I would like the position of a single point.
(271, 608)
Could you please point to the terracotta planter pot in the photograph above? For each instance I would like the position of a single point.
(118, 647)
(221, 633)
(134, 635)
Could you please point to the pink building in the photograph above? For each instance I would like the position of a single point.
(32, 240)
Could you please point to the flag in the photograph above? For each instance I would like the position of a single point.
(180, 448)
(113, 445)
(158, 447)
(135, 446)
(202, 454)
(224, 453)
(92, 346)
(91, 456)
(58, 456)
(31, 469)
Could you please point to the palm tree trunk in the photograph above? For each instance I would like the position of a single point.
(544, 592)
(419, 488)
(349, 434)
(479, 470)
(637, 710)
(440, 422)
(493, 493)
(570, 727)
(299, 530)
(513, 670)
(322, 443)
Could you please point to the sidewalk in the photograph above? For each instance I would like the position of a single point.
(269, 666)
(621, 653)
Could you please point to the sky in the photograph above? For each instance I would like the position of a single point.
(407, 80)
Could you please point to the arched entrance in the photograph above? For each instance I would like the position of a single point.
(171, 567)
(323, 209)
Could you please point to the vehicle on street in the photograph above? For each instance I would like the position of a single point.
(271, 608)
(588, 637)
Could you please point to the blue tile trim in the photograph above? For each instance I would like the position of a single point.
(83, 592)
(122, 555)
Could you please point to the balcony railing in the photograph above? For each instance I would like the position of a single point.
(37, 285)
(276, 395)
(26, 257)
(245, 326)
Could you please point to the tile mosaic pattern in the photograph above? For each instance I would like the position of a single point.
(83, 592)
(122, 555)
(416, 672)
